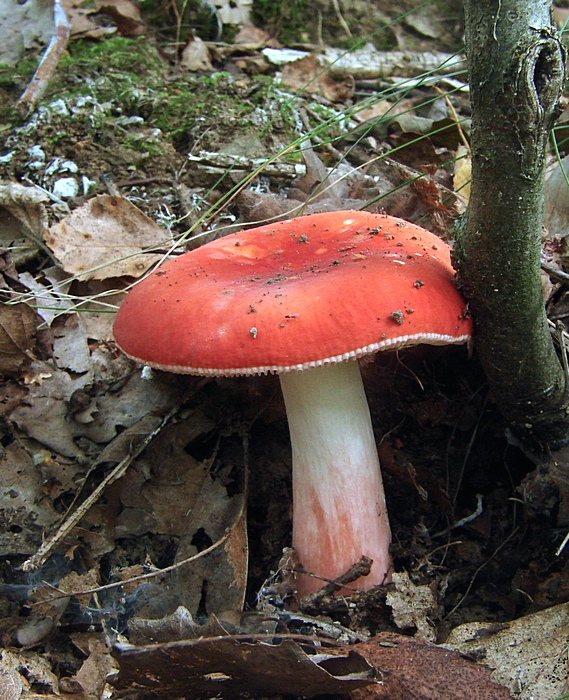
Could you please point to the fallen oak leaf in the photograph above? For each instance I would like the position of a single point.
(411, 605)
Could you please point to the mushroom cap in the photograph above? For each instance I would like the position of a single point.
(295, 294)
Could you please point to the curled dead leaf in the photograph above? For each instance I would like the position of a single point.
(226, 665)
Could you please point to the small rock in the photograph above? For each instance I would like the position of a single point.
(65, 187)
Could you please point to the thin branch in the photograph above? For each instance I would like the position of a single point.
(341, 19)
(38, 84)
(142, 577)
(39, 558)
(356, 571)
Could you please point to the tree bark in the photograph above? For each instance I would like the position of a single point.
(516, 72)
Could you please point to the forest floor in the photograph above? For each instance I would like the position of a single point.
(158, 133)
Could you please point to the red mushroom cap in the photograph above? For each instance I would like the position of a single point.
(295, 294)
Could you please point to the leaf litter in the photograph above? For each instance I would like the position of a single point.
(151, 510)
(103, 230)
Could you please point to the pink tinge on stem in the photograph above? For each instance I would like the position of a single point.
(339, 511)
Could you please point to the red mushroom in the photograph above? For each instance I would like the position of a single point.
(305, 298)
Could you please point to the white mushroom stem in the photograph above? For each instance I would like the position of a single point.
(339, 509)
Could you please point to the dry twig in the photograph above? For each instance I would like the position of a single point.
(359, 569)
(39, 558)
(38, 84)
(142, 577)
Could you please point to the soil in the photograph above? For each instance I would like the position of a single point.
(471, 518)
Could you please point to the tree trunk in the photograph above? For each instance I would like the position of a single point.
(516, 76)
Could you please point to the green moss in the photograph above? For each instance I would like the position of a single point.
(13, 82)
(136, 56)
(114, 68)
(126, 78)
(20, 73)
(102, 84)
(124, 98)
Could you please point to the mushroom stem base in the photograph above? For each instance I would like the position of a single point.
(339, 511)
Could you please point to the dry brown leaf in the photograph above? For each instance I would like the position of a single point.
(224, 571)
(177, 626)
(426, 21)
(26, 204)
(125, 14)
(10, 684)
(167, 492)
(43, 619)
(80, 15)
(51, 292)
(556, 210)
(209, 667)
(98, 318)
(106, 237)
(382, 108)
(432, 196)
(162, 485)
(86, 22)
(79, 582)
(417, 670)
(412, 605)
(48, 610)
(33, 670)
(529, 655)
(237, 552)
(24, 27)
(23, 218)
(70, 349)
(29, 484)
(18, 325)
(249, 34)
(307, 75)
(93, 673)
(195, 56)
(46, 415)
